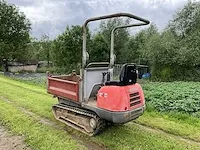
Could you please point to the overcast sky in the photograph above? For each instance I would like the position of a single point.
(50, 17)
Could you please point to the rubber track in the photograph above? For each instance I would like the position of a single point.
(101, 123)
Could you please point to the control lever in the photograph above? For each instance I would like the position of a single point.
(108, 77)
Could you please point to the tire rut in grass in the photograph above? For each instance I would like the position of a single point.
(29, 89)
(159, 131)
(82, 139)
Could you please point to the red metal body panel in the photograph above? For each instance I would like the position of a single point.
(63, 88)
(120, 98)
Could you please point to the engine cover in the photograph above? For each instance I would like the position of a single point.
(120, 98)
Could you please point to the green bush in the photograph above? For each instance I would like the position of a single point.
(175, 73)
(60, 70)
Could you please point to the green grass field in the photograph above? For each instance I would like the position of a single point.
(153, 130)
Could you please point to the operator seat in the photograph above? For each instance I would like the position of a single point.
(128, 76)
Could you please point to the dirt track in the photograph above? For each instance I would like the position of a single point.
(10, 142)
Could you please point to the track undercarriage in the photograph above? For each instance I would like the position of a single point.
(78, 118)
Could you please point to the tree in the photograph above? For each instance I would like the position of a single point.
(190, 49)
(45, 48)
(185, 27)
(121, 35)
(99, 49)
(32, 50)
(171, 59)
(138, 51)
(39, 50)
(131, 50)
(186, 20)
(14, 32)
(67, 48)
(163, 54)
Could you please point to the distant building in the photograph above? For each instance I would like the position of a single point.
(13, 66)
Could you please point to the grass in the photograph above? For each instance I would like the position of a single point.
(35, 100)
(177, 124)
(37, 135)
(131, 136)
(128, 136)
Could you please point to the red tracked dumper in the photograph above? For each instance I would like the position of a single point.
(88, 100)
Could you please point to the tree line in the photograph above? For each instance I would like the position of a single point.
(171, 54)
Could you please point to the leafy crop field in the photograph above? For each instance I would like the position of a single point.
(176, 96)
(25, 110)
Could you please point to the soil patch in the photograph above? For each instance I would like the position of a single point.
(10, 142)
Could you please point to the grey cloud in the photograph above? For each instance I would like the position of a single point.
(22, 2)
(51, 17)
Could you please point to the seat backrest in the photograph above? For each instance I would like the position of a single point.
(128, 74)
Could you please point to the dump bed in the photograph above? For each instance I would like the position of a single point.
(66, 87)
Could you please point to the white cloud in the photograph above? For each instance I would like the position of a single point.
(42, 11)
(52, 16)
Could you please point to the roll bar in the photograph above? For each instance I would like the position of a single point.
(112, 39)
(84, 57)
